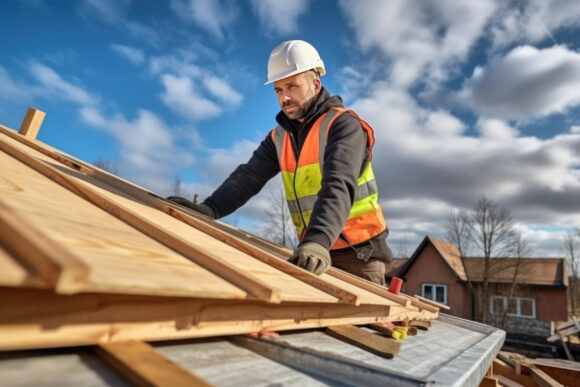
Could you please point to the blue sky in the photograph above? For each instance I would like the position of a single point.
(466, 98)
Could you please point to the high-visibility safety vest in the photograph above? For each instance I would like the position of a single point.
(303, 179)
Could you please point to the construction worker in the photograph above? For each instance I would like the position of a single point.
(324, 154)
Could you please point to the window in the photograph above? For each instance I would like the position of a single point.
(434, 292)
(518, 307)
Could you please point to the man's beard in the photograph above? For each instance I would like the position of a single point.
(299, 113)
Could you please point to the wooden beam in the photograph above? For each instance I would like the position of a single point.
(432, 303)
(488, 381)
(565, 375)
(143, 366)
(543, 379)
(41, 319)
(219, 266)
(368, 341)
(60, 269)
(367, 285)
(31, 123)
(502, 368)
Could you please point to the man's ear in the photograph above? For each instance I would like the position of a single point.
(317, 84)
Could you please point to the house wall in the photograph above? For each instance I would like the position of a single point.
(430, 267)
(550, 306)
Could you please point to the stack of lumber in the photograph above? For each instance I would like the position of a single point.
(513, 369)
(87, 258)
(567, 332)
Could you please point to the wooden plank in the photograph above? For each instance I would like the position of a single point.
(419, 304)
(42, 319)
(322, 283)
(543, 379)
(502, 368)
(58, 267)
(505, 382)
(249, 283)
(367, 285)
(368, 341)
(488, 381)
(237, 261)
(120, 258)
(142, 365)
(14, 273)
(565, 375)
(31, 123)
(432, 303)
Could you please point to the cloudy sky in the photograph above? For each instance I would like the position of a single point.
(466, 98)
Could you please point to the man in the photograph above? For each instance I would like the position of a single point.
(324, 153)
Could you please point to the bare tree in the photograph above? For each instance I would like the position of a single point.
(278, 226)
(403, 248)
(106, 165)
(489, 231)
(571, 250)
(519, 248)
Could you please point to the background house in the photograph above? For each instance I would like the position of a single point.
(528, 307)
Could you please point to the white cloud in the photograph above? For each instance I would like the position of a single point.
(143, 33)
(214, 16)
(54, 86)
(526, 83)
(11, 89)
(192, 91)
(182, 96)
(280, 17)
(148, 146)
(496, 129)
(110, 11)
(220, 89)
(533, 21)
(134, 55)
(418, 39)
(426, 165)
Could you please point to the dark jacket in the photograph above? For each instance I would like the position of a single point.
(344, 157)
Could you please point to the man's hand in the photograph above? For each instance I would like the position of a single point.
(201, 208)
(312, 257)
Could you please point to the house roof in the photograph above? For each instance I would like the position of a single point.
(531, 271)
(447, 251)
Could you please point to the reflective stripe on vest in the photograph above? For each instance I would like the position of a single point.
(302, 181)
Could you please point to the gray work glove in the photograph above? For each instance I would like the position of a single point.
(312, 257)
(201, 208)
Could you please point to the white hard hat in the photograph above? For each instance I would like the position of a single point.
(293, 57)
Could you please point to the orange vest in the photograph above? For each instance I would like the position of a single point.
(303, 179)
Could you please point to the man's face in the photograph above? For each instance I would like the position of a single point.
(297, 93)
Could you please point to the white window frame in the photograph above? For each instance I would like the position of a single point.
(518, 301)
(434, 292)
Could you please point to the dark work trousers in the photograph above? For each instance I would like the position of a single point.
(377, 254)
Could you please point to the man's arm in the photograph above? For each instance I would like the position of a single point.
(345, 152)
(245, 181)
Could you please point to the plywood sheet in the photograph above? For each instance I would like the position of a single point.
(293, 289)
(121, 259)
